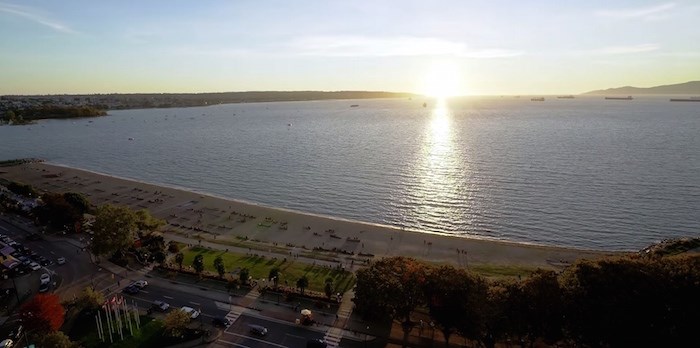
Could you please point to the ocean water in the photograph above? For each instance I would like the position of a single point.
(585, 172)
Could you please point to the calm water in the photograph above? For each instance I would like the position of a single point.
(585, 172)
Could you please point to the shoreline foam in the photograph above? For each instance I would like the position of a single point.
(186, 209)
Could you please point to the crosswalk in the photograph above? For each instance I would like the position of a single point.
(335, 333)
(236, 311)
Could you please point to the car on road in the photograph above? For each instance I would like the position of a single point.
(317, 343)
(44, 287)
(61, 260)
(160, 306)
(44, 261)
(140, 284)
(258, 330)
(45, 278)
(191, 311)
(7, 343)
(131, 290)
(221, 322)
(34, 266)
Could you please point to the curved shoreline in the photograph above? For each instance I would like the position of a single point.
(190, 211)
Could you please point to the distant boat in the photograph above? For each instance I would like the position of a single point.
(629, 97)
(565, 97)
(289, 124)
(131, 138)
(354, 105)
(691, 99)
(537, 99)
(425, 105)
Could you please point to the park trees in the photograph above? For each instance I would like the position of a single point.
(219, 266)
(179, 258)
(114, 228)
(176, 322)
(43, 313)
(62, 210)
(56, 339)
(198, 264)
(302, 284)
(328, 287)
(391, 287)
(274, 275)
(91, 299)
(455, 299)
(244, 275)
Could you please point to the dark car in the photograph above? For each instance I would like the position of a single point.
(45, 262)
(44, 287)
(131, 290)
(221, 322)
(258, 330)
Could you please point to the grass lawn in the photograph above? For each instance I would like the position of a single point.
(260, 268)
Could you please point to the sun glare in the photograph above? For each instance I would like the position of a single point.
(442, 80)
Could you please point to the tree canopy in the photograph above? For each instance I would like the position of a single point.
(43, 313)
(116, 227)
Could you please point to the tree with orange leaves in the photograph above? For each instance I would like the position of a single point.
(44, 313)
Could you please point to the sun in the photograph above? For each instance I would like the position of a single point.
(442, 80)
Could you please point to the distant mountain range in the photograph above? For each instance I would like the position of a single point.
(687, 88)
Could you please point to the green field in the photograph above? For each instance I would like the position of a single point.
(259, 268)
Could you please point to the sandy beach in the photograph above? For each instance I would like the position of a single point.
(215, 219)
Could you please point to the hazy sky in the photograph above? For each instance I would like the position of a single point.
(463, 47)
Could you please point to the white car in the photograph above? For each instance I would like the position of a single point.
(34, 266)
(140, 284)
(45, 278)
(61, 260)
(6, 343)
(191, 311)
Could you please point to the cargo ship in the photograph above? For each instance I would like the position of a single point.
(691, 99)
(629, 97)
(537, 99)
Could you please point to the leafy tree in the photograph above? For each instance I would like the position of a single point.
(90, 299)
(543, 307)
(219, 266)
(146, 222)
(244, 275)
(232, 284)
(274, 275)
(173, 247)
(43, 313)
(302, 283)
(114, 229)
(391, 287)
(328, 288)
(10, 116)
(56, 339)
(77, 201)
(57, 211)
(22, 189)
(198, 264)
(159, 257)
(455, 298)
(628, 302)
(175, 323)
(179, 258)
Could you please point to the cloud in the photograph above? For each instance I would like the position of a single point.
(359, 46)
(652, 12)
(613, 50)
(34, 16)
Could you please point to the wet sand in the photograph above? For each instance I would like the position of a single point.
(217, 219)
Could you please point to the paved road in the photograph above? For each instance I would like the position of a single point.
(280, 334)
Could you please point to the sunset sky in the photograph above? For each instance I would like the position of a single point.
(435, 47)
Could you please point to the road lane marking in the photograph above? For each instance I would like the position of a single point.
(196, 303)
(168, 297)
(233, 343)
(256, 339)
(5, 229)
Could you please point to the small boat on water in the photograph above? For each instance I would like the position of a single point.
(354, 105)
(691, 99)
(537, 99)
(565, 97)
(629, 97)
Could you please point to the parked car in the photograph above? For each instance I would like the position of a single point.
(140, 284)
(45, 278)
(191, 311)
(34, 266)
(258, 330)
(160, 306)
(131, 290)
(44, 287)
(61, 260)
(221, 322)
